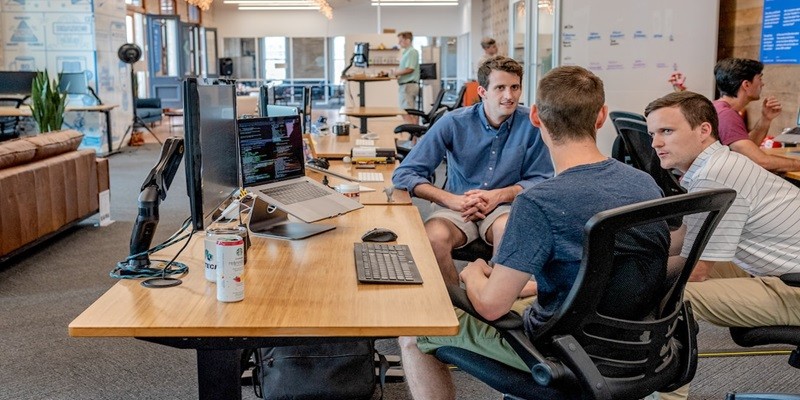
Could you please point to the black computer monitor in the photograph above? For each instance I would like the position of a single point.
(361, 55)
(212, 155)
(73, 83)
(17, 82)
(427, 71)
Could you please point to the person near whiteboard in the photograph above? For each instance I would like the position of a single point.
(740, 81)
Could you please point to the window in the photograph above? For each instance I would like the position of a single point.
(195, 16)
(168, 7)
(308, 58)
(338, 52)
(275, 61)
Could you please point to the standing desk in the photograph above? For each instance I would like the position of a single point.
(362, 80)
(295, 292)
(25, 111)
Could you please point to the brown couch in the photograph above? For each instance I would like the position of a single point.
(46, 186)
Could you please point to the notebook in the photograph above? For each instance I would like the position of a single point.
(273, 168)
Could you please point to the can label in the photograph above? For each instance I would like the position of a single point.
(230, 268)
(210, 248)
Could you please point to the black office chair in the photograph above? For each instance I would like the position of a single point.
(426, 117)
(618, 148)
(638, 146)
(766, 335)
(414, 132)
(580, 353)
(614, 115)
(8, 125)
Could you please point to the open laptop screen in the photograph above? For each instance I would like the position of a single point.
(271, 149)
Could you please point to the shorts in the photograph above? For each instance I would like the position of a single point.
(480, 338)
(408, 95)
(472, 230)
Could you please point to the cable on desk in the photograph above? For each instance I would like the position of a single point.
(121, 270)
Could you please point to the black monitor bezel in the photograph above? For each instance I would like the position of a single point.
(17, 79)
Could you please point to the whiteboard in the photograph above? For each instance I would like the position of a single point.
(634, 45)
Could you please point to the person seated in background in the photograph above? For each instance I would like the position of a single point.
(760, 233)
(740, 82)
(545, 236)
(492, 152)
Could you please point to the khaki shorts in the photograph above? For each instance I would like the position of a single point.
(408, 95)
(478, 337)
(472, 230)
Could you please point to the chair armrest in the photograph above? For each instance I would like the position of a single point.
(791, 279)
(413, 111)
(459, 298)
(411, 129)
(544, 371)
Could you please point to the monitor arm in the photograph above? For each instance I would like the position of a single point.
(153, 191)
(94, 94)
(352, 58)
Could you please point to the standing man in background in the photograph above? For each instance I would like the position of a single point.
(489, 47)
(740, 81)
(407, 74)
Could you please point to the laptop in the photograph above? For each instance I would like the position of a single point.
(273, 168)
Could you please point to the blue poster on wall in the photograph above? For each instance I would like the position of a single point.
(780, 35)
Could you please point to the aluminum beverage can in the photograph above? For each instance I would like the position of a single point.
(230, 268)
(210, 248)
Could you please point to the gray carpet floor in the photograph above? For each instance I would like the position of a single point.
(44, 289)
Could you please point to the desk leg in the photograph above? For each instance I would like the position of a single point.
(108, 132)
(219, 374)
(363, 127)
(362, 95)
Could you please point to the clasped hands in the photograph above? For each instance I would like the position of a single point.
(475, 204)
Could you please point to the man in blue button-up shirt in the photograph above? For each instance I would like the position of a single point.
(493, 152)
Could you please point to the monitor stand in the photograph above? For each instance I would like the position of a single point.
(276, 224)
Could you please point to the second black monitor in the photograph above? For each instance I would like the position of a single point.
(16, 82)
(73, 83)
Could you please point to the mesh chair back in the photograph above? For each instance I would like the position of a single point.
(638, 147)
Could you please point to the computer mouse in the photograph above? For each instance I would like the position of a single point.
(379, 235)
(320, 162)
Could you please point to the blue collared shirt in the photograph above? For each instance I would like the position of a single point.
(478, 156)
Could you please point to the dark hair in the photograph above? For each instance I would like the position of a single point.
(731, 72)
(406, 35)
(696, 108)
(498, 63)
(568, 100)
(487, 42)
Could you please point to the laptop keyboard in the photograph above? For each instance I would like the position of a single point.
(370, 177)
(295, 192)
(385, 263)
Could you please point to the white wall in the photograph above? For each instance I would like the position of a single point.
(355, 17)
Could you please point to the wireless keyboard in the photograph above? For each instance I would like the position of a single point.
(385, 263)
(370, 177)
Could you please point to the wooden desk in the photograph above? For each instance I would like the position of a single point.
(25, 111)
(363, 113)
(378, 197)
(294, 290)
(332, 146)
(791, 152)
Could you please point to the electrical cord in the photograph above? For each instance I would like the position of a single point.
(122, 271)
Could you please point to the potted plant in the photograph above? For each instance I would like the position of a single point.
(47, 104)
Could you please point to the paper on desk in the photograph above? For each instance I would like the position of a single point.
(365, 142)
(365, 189)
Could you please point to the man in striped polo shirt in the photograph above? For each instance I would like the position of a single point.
(760, 232)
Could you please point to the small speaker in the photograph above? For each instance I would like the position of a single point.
(226, 66)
